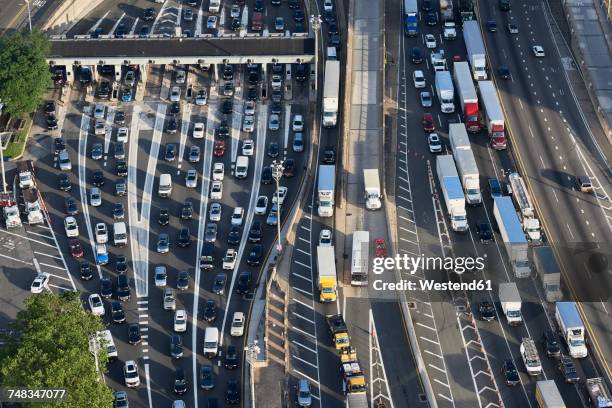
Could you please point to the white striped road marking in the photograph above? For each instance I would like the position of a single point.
(302, 277)
(302, 303)
(304, 361)
(303, 318)
(52, 266)
(29, 239)
(304, 346)
(50, 256)
(302, 264)
(39, 235)
(16, 259)
(297, 329)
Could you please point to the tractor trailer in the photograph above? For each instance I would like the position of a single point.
(331, 90)
(452, 192)
(531, 225)
(476, 53)
(466, 163)
(493, 115)
(325, 191)
(468, 98)
(512, 234)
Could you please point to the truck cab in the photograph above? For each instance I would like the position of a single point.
(353, 378)
(338, 331)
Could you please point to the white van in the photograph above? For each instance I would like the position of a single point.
(211, 342)
(214, 6)
(242, 167)
(287, 72)
(332, 54)
(106, 340)
(119, 234)
(165, 185)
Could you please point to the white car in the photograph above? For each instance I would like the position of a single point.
(201, 98)
(95, 305)
(538, 51)
(101, 233)
(175, 94)
(237, 328)
(298, 123)
(95, 197)
(277, 81)
(211, 22)
(130, 78)
(71, 227)
(248, 124)
(216, 190)
(99, 112)
(279, 195)
(100, 127)
(40, 283)
(274, 122)
(218, 172)
(64, 161)
(237, 216)
(214, 213)
(191, 179)
(180, 321)
(261, 206)
(325, 238)
(328, 6)
(450, 31)
(198, 130)
(229, 260)
(419, 79)
(161, 276)
(123, 134)
(235, 11)
(180, 77)
(430, 41)
(248, 147)
(130, 374)
(249, 108)
(434, 143)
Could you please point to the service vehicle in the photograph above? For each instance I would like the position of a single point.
(331, 91)
(468, 98)
(522, 199)
(466, 162)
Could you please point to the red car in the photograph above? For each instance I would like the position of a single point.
(428, 123)
(76, 250)
(381, 248)
(289, 168)
(219, 148)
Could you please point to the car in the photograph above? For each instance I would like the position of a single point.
(219, 148)
(272, 218)
(235, 11)
(121, 264)
(266, 175)
(248, 124)
(101, 254)
(216, 190)
(426, 99)
(415, 55)
(231, 358)
(180, 382)
(121, 400)
(228, 71)
(95, 304)
(120, 117)
(243, 283)
(118, 151)
(207, 377)
(237, 216)
(160, 276)
(176, 346)
(170, 154)
(175, 94)
(232, 392)
(495, 188)
(210, 233)
(211, 22)
(426, 5)
(584, 184)
(163, 243)
(164, 216)
(325, 238)
(251, 93)
(303, 393)
(255, 232)
(249, 108)
(130, 374)
(298, 16)
(261, 205)
(210, 311)
(97, 151)
(126, 92)
(118, 211)
(277, 96)
(201, 97)
(172, 126)
(492, 26)
(183, 238)
(279, 195)
(148, 14)
(428, 123)
(198, 130)
(550, 342)
(293, 4)
(233, 237)
(504, 5)
(169, 300)
(237, 327)
(49, 108)
(194, 154)
(130, 78)
(248, 147)
(503, 71)
(175, 108)
(214, 212)
(419, 79)
(106, 288)
(71, 227)
(40, 283)
(538, 51)
(228, 89)
(227, 107)
(297, 125)
(568, 369)
(218, 286)
(289, 168)
(273, 150)
(431, 19)
(187, 16)
(97, 178)
(99, 111)
(86, 272)
(512, 28)
(380, 248)
(279, 24)
(218, 171)
(71, 206)
(101, 233)
(187, 210)
(229, 260)
(117, 313)
(223, 130)
(298, 142)
(274, 122)
(486, 310)
(64, 161)
(191, 178)
(52, 122)
(484, 233)
(430, 41)
(59, 145)
(434, 143)
(332, 28)
(120, 187)
(511, 375)
(329, 155)
(277, 81)
(76, 250)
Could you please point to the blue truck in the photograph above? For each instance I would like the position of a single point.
(411, 17)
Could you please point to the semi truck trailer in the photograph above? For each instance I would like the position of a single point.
(331, 90)
(452, 192)
(468, 98)
(325, 191)
(476, 53)
(520, 195)
(549, 272)
(571, 328)
(493, 115)
(511, 232)
(548, 395)
(466, 163)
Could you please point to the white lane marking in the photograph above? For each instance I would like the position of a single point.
(110, 119)
(302, 303)
(50, 256)
(53, 266)
(304, 361)
(185, 123)
(39, 235)
(133, 29)
(16, 259)
(29, 239)
(97, 24)
(112, 31)
(304, 346)
(287, 128)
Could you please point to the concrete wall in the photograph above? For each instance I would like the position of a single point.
(68, 13)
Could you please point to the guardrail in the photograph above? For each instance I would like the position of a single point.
(132, 37)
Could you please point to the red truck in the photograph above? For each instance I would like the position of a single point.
(467, 95)
(493, 115)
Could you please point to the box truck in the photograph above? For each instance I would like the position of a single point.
(452, 192)
(510, 301)
(446, 10)
(512, 234)
(493, 115)
(548, 396)
(549, 272)
(571, 328)
(325, 191)
(466, 163)
(411, 17)
(445, 91)
(331, 90)
(373, 194)
(520, 195)
(476, 53)
(327, 279)
(468, 98)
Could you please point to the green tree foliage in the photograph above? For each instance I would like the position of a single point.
(53, 352)
(24, 72)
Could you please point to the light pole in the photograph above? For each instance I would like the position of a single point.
(277, 173)
(2, 157)
(316, 26)
(252, 350)
(29, 14)
(94, 349)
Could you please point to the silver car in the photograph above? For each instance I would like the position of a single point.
(64, 161)
(304, 397)
(426, 100)
(215, 212)
(191, 179)
(95, 197)
(210, 234)
(274, 122)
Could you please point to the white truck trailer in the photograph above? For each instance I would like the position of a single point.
(512, 234)
(520, 195)
(360, 258)
(599, 394)
(373, 193)
(445, 91)
(32, 206)
(549, 272)
(466, 163)
(493, 115)
(356, 400)
(529, 354)
(325, 191)
(452, 192)
(548, 395)
(331, 91)
(571, 328)
(466, 93)
(510, 300)
(476, 53)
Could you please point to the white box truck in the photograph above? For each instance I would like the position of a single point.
(373, 194)
(512, 234)
(510, 301)
(466, 163)
(331, 91)
(520, 195)
(325, 190)
(452, 192)
(360, 258)
(476, 53)
(549, 272)
(571, 328)
(327, 279)
(445, 91)
(548, 395)
(493, 115)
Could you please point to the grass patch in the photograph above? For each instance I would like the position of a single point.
(16, 147)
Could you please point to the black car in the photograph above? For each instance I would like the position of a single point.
(148, 14)
(431, 19)
(334, 40)
(183, 238)
(568, 369)
(187, 210)
(550, 341)
(329, 17)
(170, 154)
(255, 255)
(120, 117)
(97, 178)
(106, 288)
(117, 312)
(301, 70)
(504, 5)
(487, 310)
(119, 151)
(273, 150)
(293, 4)
(276, 108)
(492, 26)
(426, 5)
(51, 122)
(123, 287)
(252, 93)
(504, 72)
(120, 31)
(276, 96)
(255, 232)
(134, 336)
(71, 206)
(228, 72)
(511, 375)
(182, 280)
(484, 233)
(233, 238)
(118, 211)
(164, 216)
(243, 284)
(232, 393)
(176, 346)
(266, 175)
(223, 130)
(231, 358)
(175, 108)
(207, 377)
(180, 382)
(121, 168)
(59, 144)
(289, 168)
(210, 311)
(298, 15)
(121, 265)
(86, 272)
(49, 108)
(235, 24)
(415, 55)
(258, 6)
(332, 28)
(253, 77)
(64, 182)
(329, 155)
(103, 90)
(172, 126)
(227, 106)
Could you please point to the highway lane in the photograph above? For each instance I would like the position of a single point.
(13, 12)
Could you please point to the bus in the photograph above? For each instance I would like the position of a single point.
(360, 258)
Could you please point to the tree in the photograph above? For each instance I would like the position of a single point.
(24, 72)
(52, 351)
